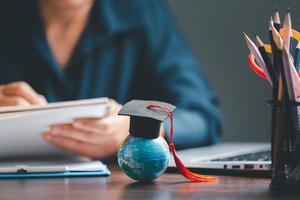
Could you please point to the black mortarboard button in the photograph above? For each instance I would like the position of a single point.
(145, 122)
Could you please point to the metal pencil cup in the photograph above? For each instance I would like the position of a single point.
(285, 140)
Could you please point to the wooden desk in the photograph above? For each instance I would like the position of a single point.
(118, 186)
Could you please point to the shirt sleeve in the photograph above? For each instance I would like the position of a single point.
(177, 79)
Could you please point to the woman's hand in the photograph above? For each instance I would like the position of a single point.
(19, 94)
(94, 138)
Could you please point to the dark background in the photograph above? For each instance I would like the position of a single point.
(214, 30)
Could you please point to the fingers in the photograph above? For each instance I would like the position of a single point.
(105, 126)
(73, 146)
(114, 107)
(96, 151)
(68, 131)
(13, 101)
(94, 138)
(96, 144)
(18, 93)
(98, 126)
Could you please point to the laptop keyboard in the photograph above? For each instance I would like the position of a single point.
(259, 156)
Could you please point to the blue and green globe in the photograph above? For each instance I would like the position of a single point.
(144, 159)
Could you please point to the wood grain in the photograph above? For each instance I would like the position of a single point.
(118, 186)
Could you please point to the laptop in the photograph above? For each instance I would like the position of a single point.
(249, 159)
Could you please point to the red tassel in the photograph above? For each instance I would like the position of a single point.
(180, 166)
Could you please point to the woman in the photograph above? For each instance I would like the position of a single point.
(56, 50)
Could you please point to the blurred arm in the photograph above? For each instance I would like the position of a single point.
(177, 79)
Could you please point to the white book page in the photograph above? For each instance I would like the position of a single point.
(21, 134)
(64, 104)
(71, 164)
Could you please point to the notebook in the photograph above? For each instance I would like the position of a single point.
(21, 127)
(24, 153)
(52, 168)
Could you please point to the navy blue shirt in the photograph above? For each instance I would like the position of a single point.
(129, 50)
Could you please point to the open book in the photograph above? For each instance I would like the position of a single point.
(21, 127)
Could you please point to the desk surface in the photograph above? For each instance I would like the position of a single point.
(118, 186)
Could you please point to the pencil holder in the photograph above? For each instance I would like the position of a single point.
(285, 146)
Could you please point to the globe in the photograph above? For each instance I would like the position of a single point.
(144, 159)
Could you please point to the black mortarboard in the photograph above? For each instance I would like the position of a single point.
(145, 122)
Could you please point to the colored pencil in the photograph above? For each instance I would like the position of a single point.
(297, 57)
(254, 50)
(287, 30)
(277, 23)
(261, 47)
(278, 63)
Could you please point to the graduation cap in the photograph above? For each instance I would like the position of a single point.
(145, 122)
